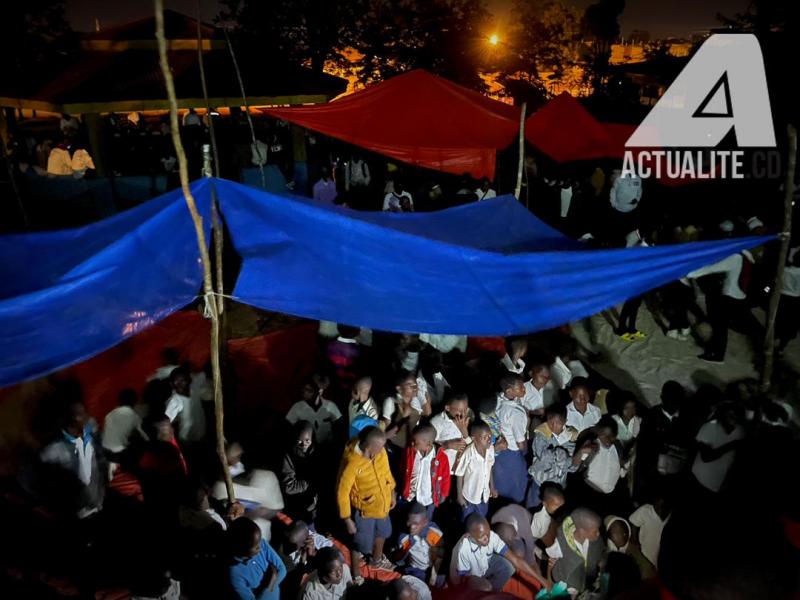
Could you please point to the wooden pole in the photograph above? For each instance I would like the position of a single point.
(211, 303)
(521, 165)
(246, 105)
(201, 64)
(777, 287)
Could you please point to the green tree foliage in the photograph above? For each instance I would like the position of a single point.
(392, 36)
(600, 24)
(35, 40)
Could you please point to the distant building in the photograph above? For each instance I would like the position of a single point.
(118, 71)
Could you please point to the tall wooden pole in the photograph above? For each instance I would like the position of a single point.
(521, 164)
(777, 288)
(208, 288)
(246, 105)
(201, 65)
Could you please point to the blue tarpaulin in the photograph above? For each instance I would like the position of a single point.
(68, 295)
(487, 268)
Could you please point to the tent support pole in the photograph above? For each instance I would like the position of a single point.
(777, 286)
(208, 288)
(518, 188)
(246, 104)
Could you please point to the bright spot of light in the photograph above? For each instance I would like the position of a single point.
(494, 39)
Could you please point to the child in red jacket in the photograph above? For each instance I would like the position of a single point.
(426, 470)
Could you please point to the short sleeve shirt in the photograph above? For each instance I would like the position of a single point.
(322, 418)
(513, 422)
(477, 472)
(650, 528)
(469, 558)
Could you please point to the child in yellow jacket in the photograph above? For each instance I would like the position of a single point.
(365, 493)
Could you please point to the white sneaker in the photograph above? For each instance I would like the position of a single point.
(685, 334)
(673, 334)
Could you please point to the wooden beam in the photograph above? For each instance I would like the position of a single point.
(123, 45)
(79, 108)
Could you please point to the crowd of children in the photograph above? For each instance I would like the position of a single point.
(412, 469)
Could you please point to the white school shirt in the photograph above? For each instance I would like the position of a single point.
(436, 391)
(582, 421)
(540, 523)
(470, 558)
(446, 430)
(561, 374)
(314, 589)
(445, 343)
(604, 469)
(791, 282)
(517, 368)
(118, 427)
(192, 422)
(628, 432)
(650, 528)
(302, 411)
(477, 473)
(732, 268)
(162, 372)
(513, 421)
(712, 474)
(488, 195)
(392, 200)
(534, 399)
(421, 478)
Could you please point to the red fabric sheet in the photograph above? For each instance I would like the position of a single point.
(419, 119)
(566, 132)
(266, 368)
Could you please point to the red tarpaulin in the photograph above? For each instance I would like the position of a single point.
(419, 119)
(267, 369)
(565, 131)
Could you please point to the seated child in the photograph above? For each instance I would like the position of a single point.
(421, 549)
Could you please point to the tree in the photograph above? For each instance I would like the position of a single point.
(35, 40)
(442, 36)
(777, 26)
(298, 31)
(600, 24)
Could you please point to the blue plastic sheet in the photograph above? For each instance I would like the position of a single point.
(488, 268)
(68, 295)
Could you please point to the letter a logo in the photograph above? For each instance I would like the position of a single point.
(723, 86)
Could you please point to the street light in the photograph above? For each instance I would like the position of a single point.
(494, 39)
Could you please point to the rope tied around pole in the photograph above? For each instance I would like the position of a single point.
(202, 244)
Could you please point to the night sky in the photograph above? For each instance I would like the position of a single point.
(660, 17)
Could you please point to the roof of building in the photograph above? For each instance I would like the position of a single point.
(125, 75)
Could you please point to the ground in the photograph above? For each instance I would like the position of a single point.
(642, 367)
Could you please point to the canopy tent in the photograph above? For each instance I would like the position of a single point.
(487, 268)
(420, 119)
(566, 132)
(68, 295)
